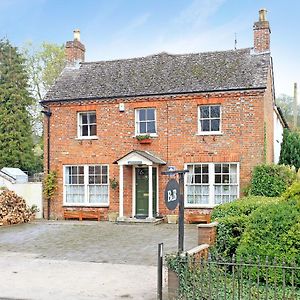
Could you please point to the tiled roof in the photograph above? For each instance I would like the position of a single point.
(163, 74)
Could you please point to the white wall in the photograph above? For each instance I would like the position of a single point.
(278, 132)
(31, 192)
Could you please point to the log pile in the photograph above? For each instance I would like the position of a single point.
(13, 209)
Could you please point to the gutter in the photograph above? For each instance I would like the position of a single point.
(48, 114)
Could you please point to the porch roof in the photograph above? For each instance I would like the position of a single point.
(144, 155)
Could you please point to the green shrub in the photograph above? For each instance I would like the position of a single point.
(272, 231)
(292, 194)
(233, 218)
(242, 206)
(271, 180)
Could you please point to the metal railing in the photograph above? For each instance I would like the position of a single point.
(236, 279)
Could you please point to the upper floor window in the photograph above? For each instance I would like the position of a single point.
(145, 121)
(87, 125)
(209, 119)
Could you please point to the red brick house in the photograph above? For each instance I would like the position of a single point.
(212, 113)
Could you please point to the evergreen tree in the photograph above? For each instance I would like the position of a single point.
(290, 148)
(16, 145)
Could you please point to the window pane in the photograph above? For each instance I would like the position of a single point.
(93, 129)
(233, 168)
(197, 178)
(225, 168)
(84, 119)
(143, 127)
(204, 125)
(150, 114)
(97, 170)
(92, 118)
(217, 168)
(215, 111)
(151, 127)
(85, 130)
(204, 111)
(215, 125)
(104, 179)
(198, 169)
(91, 170)
(217, 178)
(142, 114)
(233, 178)
(205, 178)
(205, 168)
(81, 179)
(225, 179)
(91, 179)
(104, 170)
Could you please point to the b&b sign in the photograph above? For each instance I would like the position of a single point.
(172, 194)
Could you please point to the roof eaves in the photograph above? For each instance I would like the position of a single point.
(153, 94)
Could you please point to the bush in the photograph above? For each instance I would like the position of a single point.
(242, 206)
(272, 231)
(292, 194)
(233, 218)
(271, 180)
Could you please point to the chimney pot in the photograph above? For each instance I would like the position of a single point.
(76, 33)
(262, 15)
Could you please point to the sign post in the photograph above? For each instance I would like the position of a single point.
(174, 194)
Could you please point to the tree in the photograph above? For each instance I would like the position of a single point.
(285, 102)
(44, 65)
(16, 144)
(290, 149)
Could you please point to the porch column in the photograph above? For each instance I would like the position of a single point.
(150, 206)
(121, 193)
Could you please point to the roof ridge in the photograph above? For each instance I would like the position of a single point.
(166, 54)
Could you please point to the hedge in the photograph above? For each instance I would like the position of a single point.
(271, 180)
(233, 218)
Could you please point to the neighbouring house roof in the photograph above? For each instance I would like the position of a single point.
(149, 156)
(162, 74)
(14, 175)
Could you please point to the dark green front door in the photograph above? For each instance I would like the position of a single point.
(142, 191)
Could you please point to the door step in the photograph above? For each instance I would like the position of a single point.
(133, 221)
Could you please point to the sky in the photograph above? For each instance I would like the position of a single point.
(114, 29)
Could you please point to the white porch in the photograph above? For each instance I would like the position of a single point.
(139, 159)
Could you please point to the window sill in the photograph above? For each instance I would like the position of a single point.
(152, 135)
(85, 205)
(80, 138)
(188, 206)
(210, 133)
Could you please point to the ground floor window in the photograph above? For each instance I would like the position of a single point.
(86, 185)
(208, 184)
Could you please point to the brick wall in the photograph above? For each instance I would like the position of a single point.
(177, 142)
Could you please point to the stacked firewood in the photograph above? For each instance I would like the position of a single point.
(13, 209)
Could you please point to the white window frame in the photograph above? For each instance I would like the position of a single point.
(200, 132)
(86, 187)
(211, 177)
(79, 124)
(137, 122)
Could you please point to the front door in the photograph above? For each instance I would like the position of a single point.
(142, 191)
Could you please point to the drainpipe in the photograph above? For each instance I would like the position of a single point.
(48, 114)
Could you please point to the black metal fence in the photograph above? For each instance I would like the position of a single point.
(236, 279)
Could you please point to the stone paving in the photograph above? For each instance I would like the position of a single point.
(90, 241)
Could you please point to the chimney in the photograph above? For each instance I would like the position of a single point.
(262, 33)
(75, 50)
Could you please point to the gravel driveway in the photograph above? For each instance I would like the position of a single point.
(88, 241)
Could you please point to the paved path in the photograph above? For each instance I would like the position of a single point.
(83, 260)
